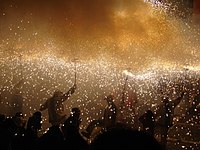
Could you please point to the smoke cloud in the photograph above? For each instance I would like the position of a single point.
(86, 29)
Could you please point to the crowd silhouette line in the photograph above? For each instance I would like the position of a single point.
(64, 131)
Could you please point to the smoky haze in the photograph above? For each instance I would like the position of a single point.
(89, 28)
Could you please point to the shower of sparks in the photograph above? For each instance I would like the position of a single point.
(158, 3)
(161, 51)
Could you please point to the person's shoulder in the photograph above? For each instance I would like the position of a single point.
(50, 99)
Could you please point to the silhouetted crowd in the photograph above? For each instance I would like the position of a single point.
(64, 132)
(17, 134)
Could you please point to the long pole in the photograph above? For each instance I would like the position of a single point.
(20, 83)
(124, 91)
(75, 70)
(21, 67)
(75, 73)
(121, 108)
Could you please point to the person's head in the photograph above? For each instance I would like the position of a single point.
(75, 112)
(17, 91)
(109, 97)
(19, 114)
(57, 93)
(71, 125)
(149, 112)
(35, 122)
(2, 118)
(38, 116)
(19, 119)
(165, 100)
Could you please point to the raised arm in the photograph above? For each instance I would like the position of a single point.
(178, 100)
(43, 106)
(69, 93)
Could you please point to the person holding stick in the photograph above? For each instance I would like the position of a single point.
(108, 121)
(55, 103)
(55, 106)
(164, 116)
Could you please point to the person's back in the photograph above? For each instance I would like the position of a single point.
(5, 136)
(73, 120)
(53, 138)
(148, 121)
(34, 125)
(73, 139)
(110, 112)
(124, 139)
(18, 130)
(31, 135)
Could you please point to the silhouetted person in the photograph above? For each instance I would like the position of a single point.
(128, 107)
(72, 138)
(55, 106)
(52, 139)
(148, 122)
(74, 119)
(109, 118)
(119, 138)
(5, 135)
(18, 130)
(195, 107)
(17, 98)
(34, 124)
(165, 114)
